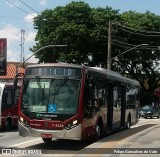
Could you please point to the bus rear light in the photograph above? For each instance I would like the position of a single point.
(72, 124)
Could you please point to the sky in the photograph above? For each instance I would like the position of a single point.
(17, 15)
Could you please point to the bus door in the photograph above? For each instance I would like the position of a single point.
(123, 106)
(1, 91)
(117, 102)
(110, 107)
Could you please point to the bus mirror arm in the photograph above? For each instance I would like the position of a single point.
(15, 82)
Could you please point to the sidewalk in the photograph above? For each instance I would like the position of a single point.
(140, 140)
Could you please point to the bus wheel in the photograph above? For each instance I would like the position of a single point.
(128, 123)
(8, 124)
(98, 132)
(47, 140)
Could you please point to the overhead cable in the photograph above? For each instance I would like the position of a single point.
(19, 8)
(28, 6)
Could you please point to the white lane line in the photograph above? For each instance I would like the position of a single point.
(25, 142)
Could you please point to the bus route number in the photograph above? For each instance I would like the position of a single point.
(56, 71)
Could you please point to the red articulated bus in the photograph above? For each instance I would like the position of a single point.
(8, 105)
(65, 101)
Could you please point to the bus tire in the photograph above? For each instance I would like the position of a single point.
(128, 125)
(8, 124)
(47, 140)
(98, 133)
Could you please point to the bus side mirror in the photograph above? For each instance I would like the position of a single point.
(15, 81)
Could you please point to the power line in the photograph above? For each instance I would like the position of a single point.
(137, 40)
(140, 31)
(140, 34)
(20, 8)
(139, 60)
(28, 6)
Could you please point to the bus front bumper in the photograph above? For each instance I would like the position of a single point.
(73, 134)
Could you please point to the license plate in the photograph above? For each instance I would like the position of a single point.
(46, 135)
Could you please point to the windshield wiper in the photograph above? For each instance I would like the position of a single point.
(58, 86)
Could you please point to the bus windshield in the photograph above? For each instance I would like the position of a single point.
(50, 95)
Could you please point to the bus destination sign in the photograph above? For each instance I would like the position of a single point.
(50, 71)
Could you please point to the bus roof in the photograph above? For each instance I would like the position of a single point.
(110, 74)
(115, 76)
(56, 64)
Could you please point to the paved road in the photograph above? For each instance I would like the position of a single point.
(12, 138)
(141, 140)
(143, 135)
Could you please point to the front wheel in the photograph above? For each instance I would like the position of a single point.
(47, 140)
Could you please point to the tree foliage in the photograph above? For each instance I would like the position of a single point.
(82, 28)
(142, 63)
(85, 32)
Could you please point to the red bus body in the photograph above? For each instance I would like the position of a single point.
(8, 108)
(106, 101)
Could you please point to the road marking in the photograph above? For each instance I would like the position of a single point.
(15, 145)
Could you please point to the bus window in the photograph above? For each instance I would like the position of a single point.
(6, 99)
(91, 96)
(102, 92)
(51, 96)
(131, 96)
(117, 98)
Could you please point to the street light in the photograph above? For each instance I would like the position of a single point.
(130, 49)
(40, 50)
(16, 72)
(111, 59)
(15, 81)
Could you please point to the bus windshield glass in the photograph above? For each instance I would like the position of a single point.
(50, 95)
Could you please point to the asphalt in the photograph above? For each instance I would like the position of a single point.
(140, 140)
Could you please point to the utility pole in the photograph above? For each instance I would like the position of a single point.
(22, 46)
(109, 45)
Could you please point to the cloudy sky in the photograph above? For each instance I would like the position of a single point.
(17, 15)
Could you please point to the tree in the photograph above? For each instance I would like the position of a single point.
(85, 31)
(82, 28)
(141, 63)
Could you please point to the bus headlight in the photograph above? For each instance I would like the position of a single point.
(23, 121)
(72, 124)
